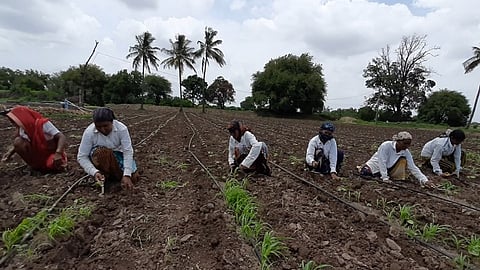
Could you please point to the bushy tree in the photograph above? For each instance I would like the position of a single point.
(248, 104)
(90, 80)
(157, 88)
(445, 107)
(194, 87)
(123, 87)
(290, 83)
(366, 113)
(400, 84)
(220, 92)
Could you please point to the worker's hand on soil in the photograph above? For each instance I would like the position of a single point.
(127, 183)
(99, 177)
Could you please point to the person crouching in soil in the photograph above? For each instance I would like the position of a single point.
(106, 151)
(444, 154)
(37, 141)
(392, 159)
(322, 153)
(245, 152)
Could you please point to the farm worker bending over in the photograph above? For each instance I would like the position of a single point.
(391, 160)
(322, 153)
(245, 151)
(106, 150)
(37, 141)
(445, 153)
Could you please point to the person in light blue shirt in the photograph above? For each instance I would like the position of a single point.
(106, 150)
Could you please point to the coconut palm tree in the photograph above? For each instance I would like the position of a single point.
(208, 51)
(469, 65)
(180, 55)
(143, 53)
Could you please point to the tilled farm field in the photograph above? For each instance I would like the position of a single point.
(178, 218)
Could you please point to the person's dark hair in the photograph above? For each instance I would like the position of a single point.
(103, 115)
(328, 126)
(234, 125)
(457, 134)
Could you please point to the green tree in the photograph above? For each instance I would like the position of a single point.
(92, 83)
(123, 87)
(208, 51)
(220, 92)
(366, 113)
(401, 84)
(180, 55)
(158, 88)
(7, 76)
(248, 104)
(144, 53)
(194, 88)
(290, 83)
(469, 65)
(445, 107)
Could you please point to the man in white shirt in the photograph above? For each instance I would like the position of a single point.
(106, 151)
(445, 154)
(322, 154)
(392, 159)
(245, 152)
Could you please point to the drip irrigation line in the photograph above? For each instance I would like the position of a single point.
(155, 131)
(29, 233)
(436, 196)
(255, 250)
(425, 244)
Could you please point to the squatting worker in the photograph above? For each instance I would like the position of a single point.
(322, 154)
(444, 154)
(245, 152)
(106, 150)
(392, 159)
(37, 141)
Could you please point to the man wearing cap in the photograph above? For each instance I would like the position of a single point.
(106, 151)
(37, 141)
(392, 159)
(323, 156)
(245, 152)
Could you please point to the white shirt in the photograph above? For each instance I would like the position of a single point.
(387, 155)
(49, 130)
(117, 140)
(438, 148)
(248, 145)
(329, 150)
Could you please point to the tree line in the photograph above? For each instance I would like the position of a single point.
(287, 85)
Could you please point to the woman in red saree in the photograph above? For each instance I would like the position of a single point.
(37, 141)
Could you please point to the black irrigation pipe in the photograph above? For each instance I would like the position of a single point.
(156, 130)
(29, 234)
(195, 132)
(416, 239)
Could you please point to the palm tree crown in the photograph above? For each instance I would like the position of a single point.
(469, 65)
(472, 62)
(144, 53)
(180, 55)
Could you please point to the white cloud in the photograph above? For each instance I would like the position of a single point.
(341, 35)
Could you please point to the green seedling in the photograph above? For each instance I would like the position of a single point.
(37, 198)
(13, 237)
(448, 188)
(252, 230)
(412, 231)
(473, 246)
(294, 160)
(61, 225)
(430, 231)
(461, 261)
(162, 161)
(182, 166)
(170, 243)
(311, 265)
(169, 185)
(383, 204)
(271, 246)
(406, 215)
(457, 242)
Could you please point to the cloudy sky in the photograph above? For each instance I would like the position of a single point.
(341, 35)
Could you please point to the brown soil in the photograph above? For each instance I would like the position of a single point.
(189, 227)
